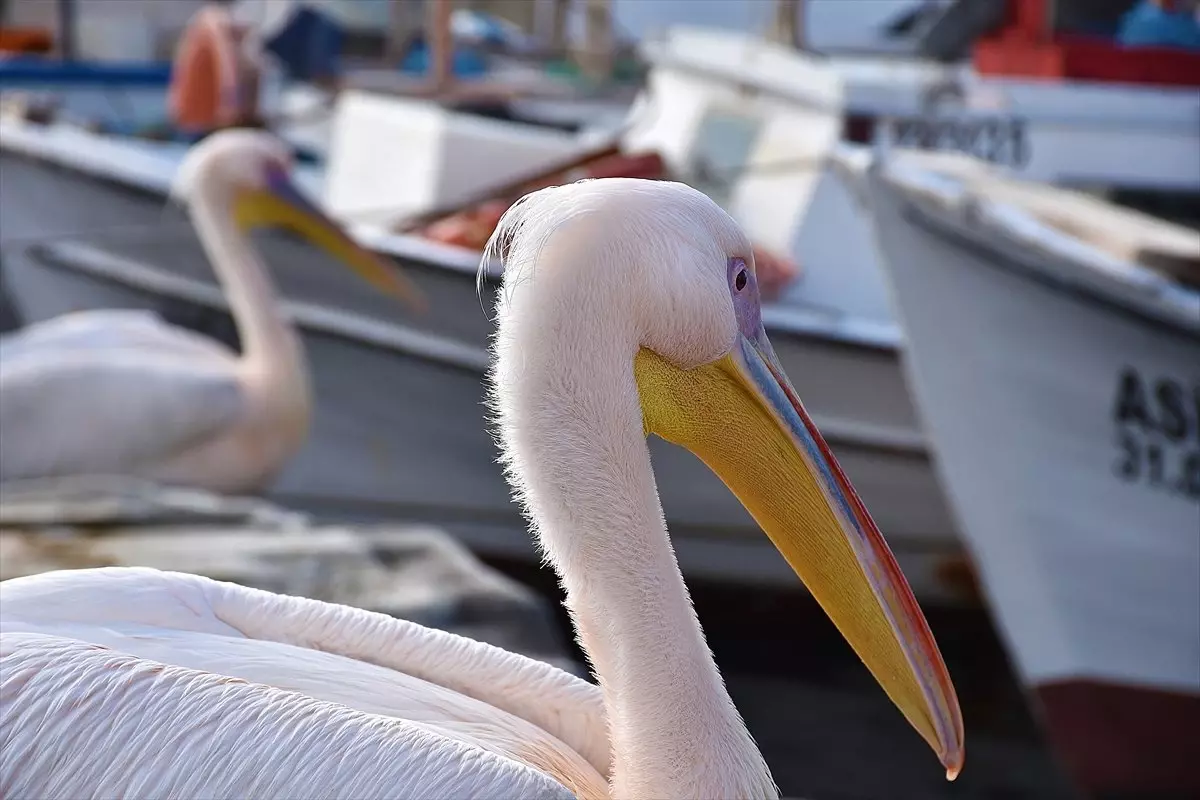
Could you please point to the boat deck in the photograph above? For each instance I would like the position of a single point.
(1145, 264)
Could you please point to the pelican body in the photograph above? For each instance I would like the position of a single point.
(629, 308)
(122, 392)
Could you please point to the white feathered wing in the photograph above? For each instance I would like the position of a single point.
(144, 684)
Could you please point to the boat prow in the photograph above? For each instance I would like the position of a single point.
(1056, 367)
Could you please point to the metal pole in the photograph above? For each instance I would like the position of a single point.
(66, 29)
(437, 33)
(598, 39)
(559, 11)
(788, 26)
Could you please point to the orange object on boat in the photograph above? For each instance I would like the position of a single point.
(472, 227)
(213, 84)
(469, 229)
(774, 272)
(25, 40)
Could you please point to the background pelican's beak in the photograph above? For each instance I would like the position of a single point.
(741, 416)
(281, 203)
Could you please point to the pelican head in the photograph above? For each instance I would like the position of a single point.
(248, 171)
(665, 282)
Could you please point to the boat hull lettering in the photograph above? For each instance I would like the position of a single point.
(999, 140)
(1157, 432)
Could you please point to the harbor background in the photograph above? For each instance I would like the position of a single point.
(824, 726)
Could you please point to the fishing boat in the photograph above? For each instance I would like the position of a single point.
(1044, 89)
(833, 328)
(92, 242)
(845, 363)
(1053, 349)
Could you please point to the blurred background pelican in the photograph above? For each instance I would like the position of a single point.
(175, 406)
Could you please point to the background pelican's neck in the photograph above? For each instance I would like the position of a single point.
(571, 425)
(268, 343)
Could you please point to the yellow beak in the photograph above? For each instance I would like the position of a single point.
(741, 416)
(281, 204)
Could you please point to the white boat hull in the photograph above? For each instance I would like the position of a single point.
(1066, 429)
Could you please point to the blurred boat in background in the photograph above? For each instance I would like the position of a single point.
(427, 154)
(1053, 348)
(405, 448)
(423, 180)
(1044, 89)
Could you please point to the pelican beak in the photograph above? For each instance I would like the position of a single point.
(741, 416)
(280, 203)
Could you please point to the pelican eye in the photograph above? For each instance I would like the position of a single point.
(739, 282)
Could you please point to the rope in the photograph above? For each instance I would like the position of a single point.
(709, 175)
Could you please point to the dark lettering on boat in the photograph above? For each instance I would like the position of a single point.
(1196, 409)
(1000, 140)
(1172, 414)
(1131, 405)
(1127, 464)
(1157, 434)
(1191, 475)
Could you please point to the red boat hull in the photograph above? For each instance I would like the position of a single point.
(1125, 741)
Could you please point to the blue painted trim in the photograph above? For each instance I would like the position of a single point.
(60, 74)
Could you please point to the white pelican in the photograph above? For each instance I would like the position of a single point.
(121, 392)
(629, 307)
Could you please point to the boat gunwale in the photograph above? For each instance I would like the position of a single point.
(96, 263)
(960, 214)
(746, 83)
(154, 179)
(875, 94)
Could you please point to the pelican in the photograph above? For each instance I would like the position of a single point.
(122, 392)
(628, 308)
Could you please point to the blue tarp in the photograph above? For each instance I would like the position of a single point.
(52, 72)
(464, 62)
(308, 46)
(1147, 25)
